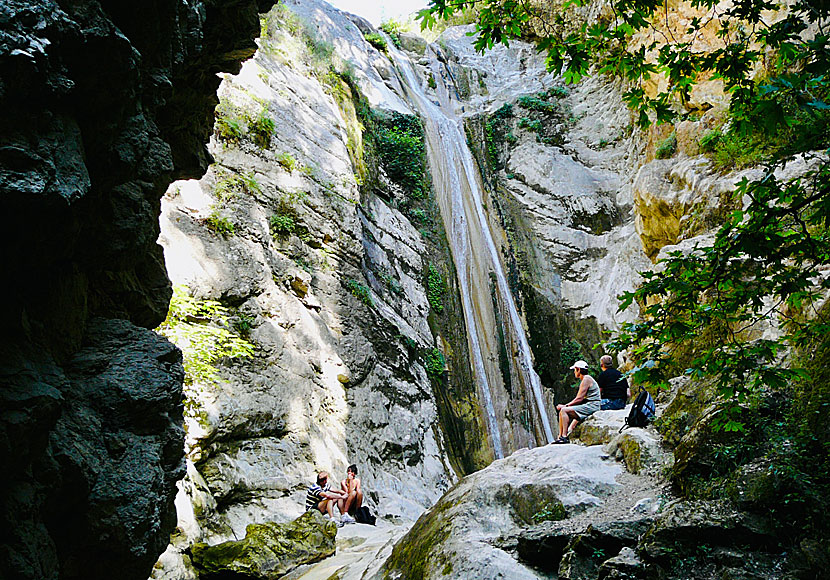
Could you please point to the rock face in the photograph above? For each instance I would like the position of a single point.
(560, 164)
(103, 104)
(563, 511)
(325, 279)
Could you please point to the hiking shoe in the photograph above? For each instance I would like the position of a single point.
(562, 440)
(347, 519)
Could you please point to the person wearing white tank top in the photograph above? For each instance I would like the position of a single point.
(586, 402)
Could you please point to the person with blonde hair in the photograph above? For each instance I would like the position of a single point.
(583, 405)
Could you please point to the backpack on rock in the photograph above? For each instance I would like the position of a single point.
(642, 411)
(364, 516)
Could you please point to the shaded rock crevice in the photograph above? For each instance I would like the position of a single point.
(102, 104)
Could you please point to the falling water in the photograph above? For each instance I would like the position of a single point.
(461, 198)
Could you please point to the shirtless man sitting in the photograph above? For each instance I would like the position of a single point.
(322, 498)
(353, 495)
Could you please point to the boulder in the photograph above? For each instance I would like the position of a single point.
(461, 534)
(638, 448)
(683, 526)
(588, 551)
(626, 565)
(269, 550)
(412, 42)
(601, 427)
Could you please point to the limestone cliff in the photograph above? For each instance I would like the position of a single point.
(102, 104)
(329, 265)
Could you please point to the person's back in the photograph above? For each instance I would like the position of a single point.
(613, 385)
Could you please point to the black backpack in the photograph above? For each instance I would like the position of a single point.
(642, 411)
(364, 516)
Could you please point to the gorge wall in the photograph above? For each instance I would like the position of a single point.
(307, 241)
(103, 105)
(316, 298)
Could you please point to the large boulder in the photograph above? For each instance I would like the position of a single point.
(601, 427)
(458, 536)
(638, 448)
(269, 550)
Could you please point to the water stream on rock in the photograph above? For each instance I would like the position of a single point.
(460, 198)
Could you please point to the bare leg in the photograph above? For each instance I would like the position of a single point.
(564, 419)
(574, 423)
(325, 506)
(358, 501)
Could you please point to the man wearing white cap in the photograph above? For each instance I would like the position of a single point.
(585, 404)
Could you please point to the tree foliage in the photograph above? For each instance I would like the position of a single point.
(702, 311)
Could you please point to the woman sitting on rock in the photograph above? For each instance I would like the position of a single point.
(585, 404)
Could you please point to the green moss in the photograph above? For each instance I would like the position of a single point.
(413, 555)
(532, 504)
(632, 454)
(667, 147)
(269, 550)
(360, 291)
(435, 289)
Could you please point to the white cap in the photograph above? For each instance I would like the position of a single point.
(580, 364)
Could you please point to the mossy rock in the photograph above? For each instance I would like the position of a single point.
(413, 555)
(269, 550)
(533, 504)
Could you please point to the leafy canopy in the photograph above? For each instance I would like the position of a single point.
(703, 310)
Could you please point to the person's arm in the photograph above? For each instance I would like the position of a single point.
(357, 484)
(580, 395)
(333, 494)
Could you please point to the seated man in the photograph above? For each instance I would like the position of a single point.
(321, 497)
(583, 405)
(354, 495)
(612, 385)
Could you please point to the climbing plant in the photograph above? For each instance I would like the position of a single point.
(201, 329)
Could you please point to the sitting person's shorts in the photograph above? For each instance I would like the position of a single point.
(612, 404)
(585, 410)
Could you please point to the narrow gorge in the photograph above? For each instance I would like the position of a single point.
(251, 241)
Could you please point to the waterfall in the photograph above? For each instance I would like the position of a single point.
(473, 248)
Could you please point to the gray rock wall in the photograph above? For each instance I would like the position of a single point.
(333, 296)
(102, 104)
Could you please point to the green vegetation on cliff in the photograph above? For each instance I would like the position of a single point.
(201, 328)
